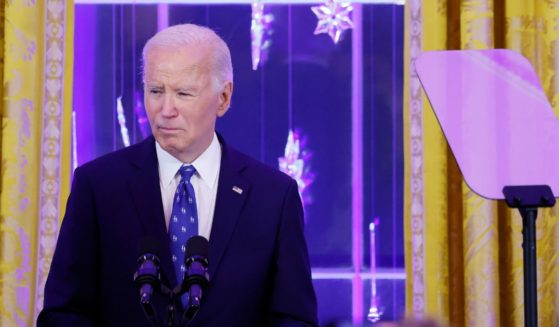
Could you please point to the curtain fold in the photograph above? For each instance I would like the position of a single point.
(463, 252)
(36, 106)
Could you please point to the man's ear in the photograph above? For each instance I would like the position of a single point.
(225, 99)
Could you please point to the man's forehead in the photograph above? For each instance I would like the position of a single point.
(175, 69)
(194, 51)
(180, 59)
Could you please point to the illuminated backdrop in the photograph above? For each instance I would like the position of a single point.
(343, 99)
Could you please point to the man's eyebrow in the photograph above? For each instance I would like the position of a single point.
(186, 88)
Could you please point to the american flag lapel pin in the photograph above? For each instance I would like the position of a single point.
(237, 189)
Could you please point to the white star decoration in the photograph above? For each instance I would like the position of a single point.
(333, 18)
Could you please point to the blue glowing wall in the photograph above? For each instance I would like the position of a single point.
(305, 84)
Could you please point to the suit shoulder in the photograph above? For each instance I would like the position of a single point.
(118, 159)
(262, 172)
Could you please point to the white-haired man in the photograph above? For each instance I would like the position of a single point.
(183, 181)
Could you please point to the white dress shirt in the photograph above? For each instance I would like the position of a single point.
(204, 181)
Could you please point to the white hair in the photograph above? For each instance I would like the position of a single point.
(178, 36)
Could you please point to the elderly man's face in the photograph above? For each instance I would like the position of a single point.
(181, 100)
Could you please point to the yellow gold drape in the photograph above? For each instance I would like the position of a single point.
(464, 253)
(37, 44)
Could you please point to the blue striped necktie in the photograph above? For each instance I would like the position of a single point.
(184, 221)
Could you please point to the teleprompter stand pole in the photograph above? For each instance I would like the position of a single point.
(527, 199)
(529, 216)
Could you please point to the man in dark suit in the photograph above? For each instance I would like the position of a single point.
(258, 262)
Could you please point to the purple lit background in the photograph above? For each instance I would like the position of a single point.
(345, 99)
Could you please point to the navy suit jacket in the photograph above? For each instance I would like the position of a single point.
(258, 260)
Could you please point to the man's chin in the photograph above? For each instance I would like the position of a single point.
(167, 139)
(171, 146)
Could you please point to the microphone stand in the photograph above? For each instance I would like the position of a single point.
(171, 309)
(173, 295)
(171, 314)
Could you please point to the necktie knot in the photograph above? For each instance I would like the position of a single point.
(187, 172)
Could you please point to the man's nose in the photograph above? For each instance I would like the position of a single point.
(169, 108)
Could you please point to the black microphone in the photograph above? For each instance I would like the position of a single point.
(147, 275)
(196, 278)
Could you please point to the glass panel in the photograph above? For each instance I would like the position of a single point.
(495, 116)
(383, 132)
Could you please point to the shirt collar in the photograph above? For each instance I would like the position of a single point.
(207, 164)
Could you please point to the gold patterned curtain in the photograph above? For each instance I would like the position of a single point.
(464, 253)
(36, 39)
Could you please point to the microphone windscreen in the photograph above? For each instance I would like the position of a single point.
(149, 244)
(197, 246)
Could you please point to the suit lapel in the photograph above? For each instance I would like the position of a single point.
(143, 183)
(232, 193)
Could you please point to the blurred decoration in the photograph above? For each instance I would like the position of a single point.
(375, 311)
(140, 112)
(295, 163)
(333, 18)
(259, 32)
(122, 122)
